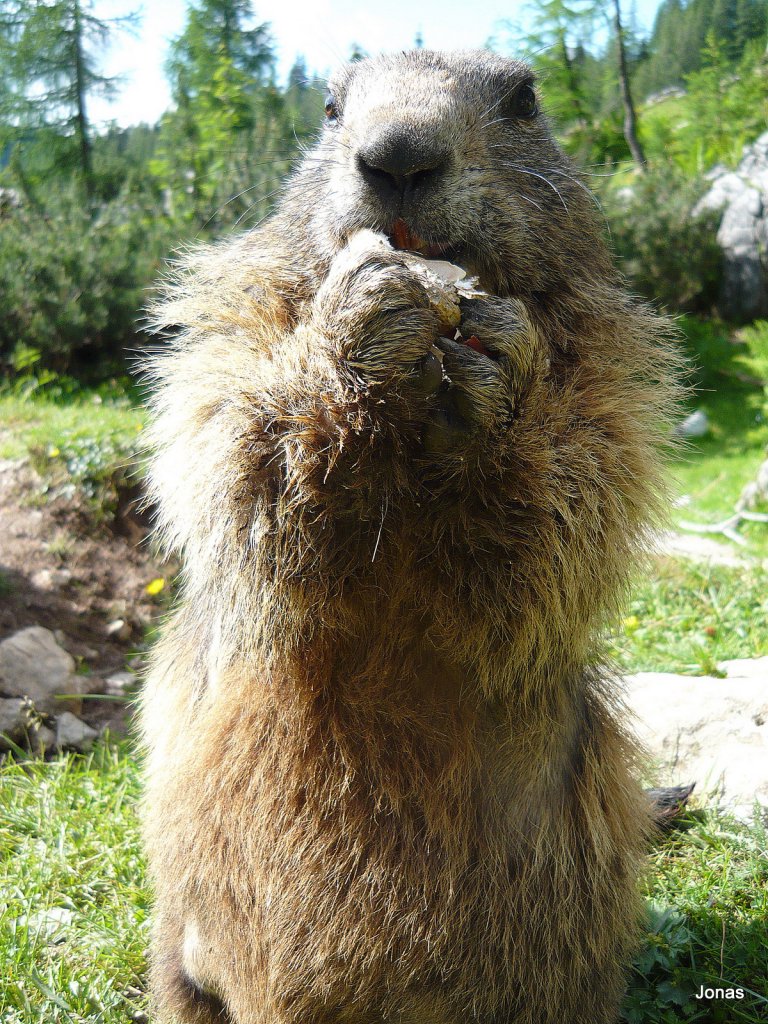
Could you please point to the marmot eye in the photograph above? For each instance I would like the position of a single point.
(331, 112)
(525, 102)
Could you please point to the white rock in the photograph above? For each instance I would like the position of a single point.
(710, 731)
(742, 196)
(695, 425)
(73, 733)
(33, 665)
(47, 924)
(747, 668)
(41, 739)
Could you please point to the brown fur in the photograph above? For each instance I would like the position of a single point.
(386, 775)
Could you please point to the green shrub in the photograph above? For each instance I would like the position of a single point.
(666, 253)
(72, 283)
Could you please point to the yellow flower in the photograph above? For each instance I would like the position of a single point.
(632, 622)
(53, 451)
(155, 586)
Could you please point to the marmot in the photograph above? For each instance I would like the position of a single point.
(387, 779)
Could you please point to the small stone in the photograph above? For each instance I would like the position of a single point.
(93, 684)
(51, 579)
(73, 733)
(695, 425)
(145, 613)
(120, 683)
(119, 629)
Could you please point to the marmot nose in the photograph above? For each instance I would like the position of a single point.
(394, 163)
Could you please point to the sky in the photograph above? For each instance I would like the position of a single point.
(322, 31)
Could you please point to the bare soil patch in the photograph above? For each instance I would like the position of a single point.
(80, 579)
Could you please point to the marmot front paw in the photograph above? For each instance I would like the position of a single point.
(377, 312)
(486, 372)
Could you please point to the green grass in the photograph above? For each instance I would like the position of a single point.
(73, 928)
(710, 472)
(686, 617)
(39, 424)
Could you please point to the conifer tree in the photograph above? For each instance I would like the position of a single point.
(556, 29)
(51, 69)
(229, 135)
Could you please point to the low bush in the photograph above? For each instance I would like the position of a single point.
(73, 283)
(665, 252)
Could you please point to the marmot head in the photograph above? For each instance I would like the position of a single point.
(450, 155)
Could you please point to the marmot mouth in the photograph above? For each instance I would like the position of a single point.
(402, 237)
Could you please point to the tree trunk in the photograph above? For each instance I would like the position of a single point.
(630, 120)
(81, 117)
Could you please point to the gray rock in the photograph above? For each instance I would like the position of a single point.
(33, 665)
(742, 195)
(710, 731)
(21, 726)
(41, 739)
(13, 721)
(73, 734)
